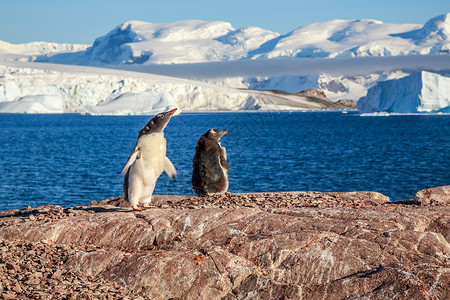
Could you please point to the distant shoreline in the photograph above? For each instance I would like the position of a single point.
(354, 111)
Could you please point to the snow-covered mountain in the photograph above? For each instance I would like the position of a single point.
(190, 41)
(338, 38)
(39, 48)
(196, 41)
(417, 93)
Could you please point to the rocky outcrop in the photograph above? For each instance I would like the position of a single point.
(349, 104)
(433, 196)
(296, 245)
(313, 93)
(312, 99)
(319, 96)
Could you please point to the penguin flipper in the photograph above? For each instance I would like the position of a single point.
(125, 185)
(131, 159)
(169, 168)
(223, 160)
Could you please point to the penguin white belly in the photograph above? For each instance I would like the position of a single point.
(146, 170)
(153, 151)
(225, 171)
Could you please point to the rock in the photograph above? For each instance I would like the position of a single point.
(433, 196)
(350, 104)
(313, 93)
(291, 245)
(10, 266)
(17, 289)
(320, 96)
(278, 199)
(8, 296)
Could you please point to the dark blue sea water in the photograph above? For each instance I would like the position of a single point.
(72, 159)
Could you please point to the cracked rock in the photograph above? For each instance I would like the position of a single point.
(292, 245)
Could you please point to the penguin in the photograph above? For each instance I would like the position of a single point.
(147, 161)
(210, 167)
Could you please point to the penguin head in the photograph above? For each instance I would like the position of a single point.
(214, 134)
(157, 123)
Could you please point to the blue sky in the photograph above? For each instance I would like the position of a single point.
(82, 21)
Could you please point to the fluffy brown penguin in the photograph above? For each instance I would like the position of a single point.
(210, 167)
(147, 161)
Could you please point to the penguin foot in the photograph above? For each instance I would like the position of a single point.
(147, 205)
(137, 208)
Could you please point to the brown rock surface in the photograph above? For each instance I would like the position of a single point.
(433, 196)
(293, 245)
(350, 104)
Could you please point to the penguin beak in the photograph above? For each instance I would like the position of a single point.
(172, 111)
(225, 132)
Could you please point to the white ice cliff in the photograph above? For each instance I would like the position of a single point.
(417, 93)
(101, 91)
(149, 102)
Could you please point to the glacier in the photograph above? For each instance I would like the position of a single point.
(420, 92)
(102, 91)
(149, 102)
(82, 89)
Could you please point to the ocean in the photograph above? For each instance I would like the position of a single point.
(70, 159)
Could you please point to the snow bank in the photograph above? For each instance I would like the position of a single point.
(146, 103)
(37, 104)
(420, 92)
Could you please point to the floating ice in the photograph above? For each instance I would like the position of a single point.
(37, 104)
(417, 93)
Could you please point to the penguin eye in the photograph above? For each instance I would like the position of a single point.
(161, 116)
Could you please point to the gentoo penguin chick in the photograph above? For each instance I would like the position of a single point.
(147, 161)
(210, 174)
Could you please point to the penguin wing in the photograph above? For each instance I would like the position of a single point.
(223, 159)
(125, 185)
(131, 159)
(169, 168)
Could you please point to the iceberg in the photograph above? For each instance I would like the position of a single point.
(420, 92)
(34, 104)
